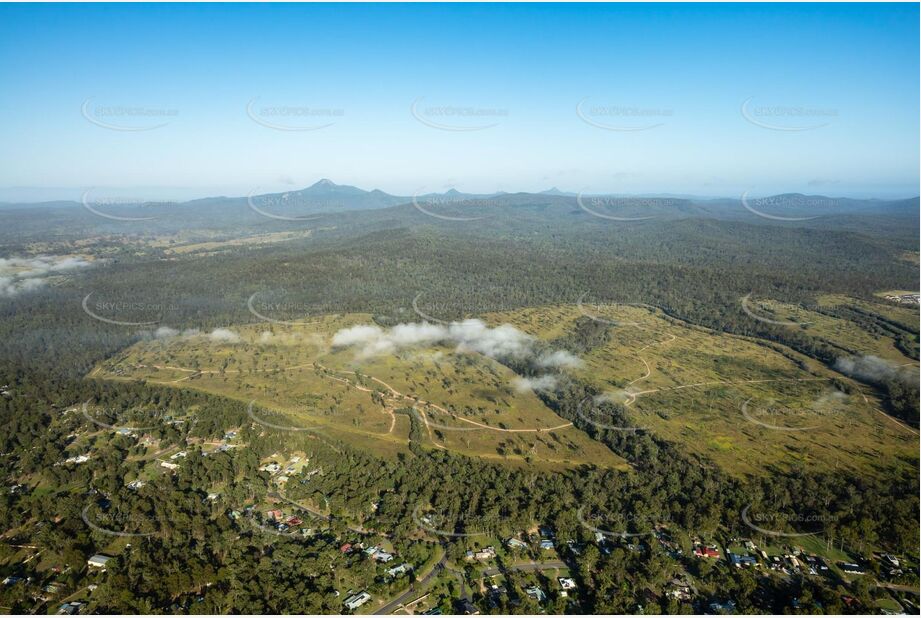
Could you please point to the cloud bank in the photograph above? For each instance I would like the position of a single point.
(539, 383)
(18, 275)
(501, 342)
(873, 369)
(218, 335)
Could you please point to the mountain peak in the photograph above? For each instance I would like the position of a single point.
(323, 183)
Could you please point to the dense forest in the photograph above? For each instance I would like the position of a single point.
(191, 554)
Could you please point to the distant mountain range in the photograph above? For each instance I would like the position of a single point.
(328, 199)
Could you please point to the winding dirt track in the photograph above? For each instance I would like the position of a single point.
(632, 395)
(417, 402)
(394, 393)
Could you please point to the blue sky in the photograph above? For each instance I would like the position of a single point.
(830, 95)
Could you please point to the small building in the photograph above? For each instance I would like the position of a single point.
(853, 569)
(487, 553)
(546, 544)
(70, 609)
(356, 600)
(566, 583)
(536, 593)
(740, 560)
(383, 556)
(168, 465)
(516, 543)
(274, 514)
(706, 551)
(99, 561)
(400, 570)
(466, 608)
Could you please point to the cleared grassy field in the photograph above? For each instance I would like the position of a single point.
(463, 402)
(847, 334)
(749, 406)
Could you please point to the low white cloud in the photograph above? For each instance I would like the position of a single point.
(503, 341)
(870, 368)
(165, 332)
(218, 335)
(539, 383)
(559, 359)
(18, 275)
(224, 335)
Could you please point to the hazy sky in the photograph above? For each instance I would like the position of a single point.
(708, 100)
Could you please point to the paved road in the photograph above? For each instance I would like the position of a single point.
(527, 566)
(411, 592)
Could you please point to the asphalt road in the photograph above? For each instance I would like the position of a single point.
(406, 596)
